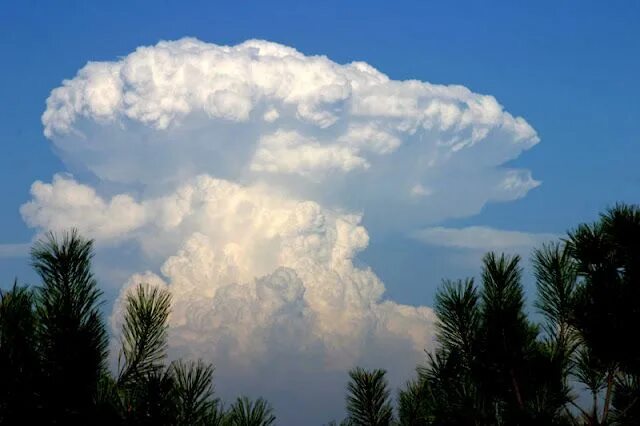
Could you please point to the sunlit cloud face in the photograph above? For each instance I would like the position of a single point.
(245, 173)
(263, 112)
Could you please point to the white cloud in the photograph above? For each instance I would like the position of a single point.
(245, 171)
(65, 203)
(260, 111)
(253, 273)
(292, 153)
(482, 238)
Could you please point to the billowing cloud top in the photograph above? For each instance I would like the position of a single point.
(245, 172)
(263, 111)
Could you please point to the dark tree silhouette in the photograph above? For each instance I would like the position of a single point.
(244, 412)
(193, 383)
(53, 350)
(413, 409)
(144, 332)
(492, 364)
(19, 367)
(606, 310)
(368, 398)
(490, 367)
(71, 336)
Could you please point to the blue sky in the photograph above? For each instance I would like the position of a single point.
(569, 68)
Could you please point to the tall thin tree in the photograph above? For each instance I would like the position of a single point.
(72, 338)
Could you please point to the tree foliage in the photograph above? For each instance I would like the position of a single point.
(53, 354)
(244, 412)
(368, 398)
(18, 356)
(144, 332)
(71, 335)
(492, 365)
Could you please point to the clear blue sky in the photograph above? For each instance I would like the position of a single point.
(570, 68)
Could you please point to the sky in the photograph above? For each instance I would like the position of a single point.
(329, 203)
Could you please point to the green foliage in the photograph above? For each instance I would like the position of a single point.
(150, 400)
(508, 339)
(216, 415)
(507, 334)
(453, 394)
(606, 309)
(457, 309)
(109, 402)
(71, 335)
(180, 394)
(590, 371)
(193, 383)
(450, 381)
(368, 398)
(18, 356)
(608, 258)
(144, 332)
(244, 412)
(413, 408)
(626, 399)
(53, 348)
(146, 387)
(492, 365)
(556, 273)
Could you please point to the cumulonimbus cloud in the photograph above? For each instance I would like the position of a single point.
(245, 172)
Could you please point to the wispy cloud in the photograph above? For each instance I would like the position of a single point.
(482, 238)
(14, 250)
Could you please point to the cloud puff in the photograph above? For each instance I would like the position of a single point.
(482, 238)
(227, 235)
(65, 203)
(292, 153)
(245, 171)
